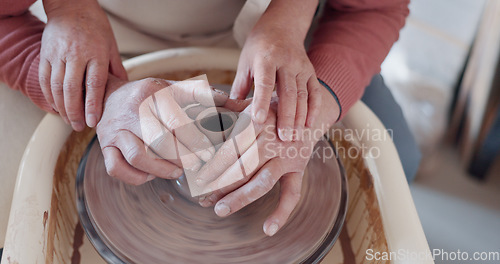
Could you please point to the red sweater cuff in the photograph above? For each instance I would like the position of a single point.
(33, 89)
(338, 77)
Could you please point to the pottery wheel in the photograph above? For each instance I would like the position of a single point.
(153, 223)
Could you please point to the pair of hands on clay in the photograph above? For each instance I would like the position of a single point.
(148, 115)
(274, 55)
(123, 145)
(239, 177)
(79, 50)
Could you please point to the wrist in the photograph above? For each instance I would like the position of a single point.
(294, 17)
(60, 7)
(332, 94)
(330, 107)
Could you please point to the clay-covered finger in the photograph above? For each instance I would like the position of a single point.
(287, 94)
(301, 112)
(237, 105)
(290, 191)
(197, 90)
(162, 142)
(95, 84)
(56, 87)
(117, 167)
(180, 125)
(314, 100)
(244, 134)
(264, 81)
(242, 82)
(258, 186)
(234, 177)
(134, 152)
(73, 94)
(238, 173)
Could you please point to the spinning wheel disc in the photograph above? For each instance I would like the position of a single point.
(153, 223)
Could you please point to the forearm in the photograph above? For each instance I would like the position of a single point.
(291, 16)
(60, 7)
(352, 41)
(20, 38)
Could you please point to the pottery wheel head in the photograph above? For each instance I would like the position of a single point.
(153, 223)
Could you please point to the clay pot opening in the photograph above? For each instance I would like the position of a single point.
(217, 122)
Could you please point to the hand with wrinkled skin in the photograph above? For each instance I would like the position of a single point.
(273, 165)
(130, 122)
(78, 50)
(274, 55)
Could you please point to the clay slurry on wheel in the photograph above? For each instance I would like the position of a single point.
(152, 222)
(171, 134)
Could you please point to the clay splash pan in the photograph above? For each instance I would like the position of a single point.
(44, 225)
(153, 223)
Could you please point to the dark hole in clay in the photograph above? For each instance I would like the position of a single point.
(217, 123)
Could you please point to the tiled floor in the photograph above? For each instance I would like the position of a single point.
(456, 211)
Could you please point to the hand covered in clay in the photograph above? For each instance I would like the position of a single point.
(144, 132)
(237, 179)
(78, 50)
(274, 55)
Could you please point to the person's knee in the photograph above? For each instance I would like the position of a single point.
(380, 100)
(411, 162)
